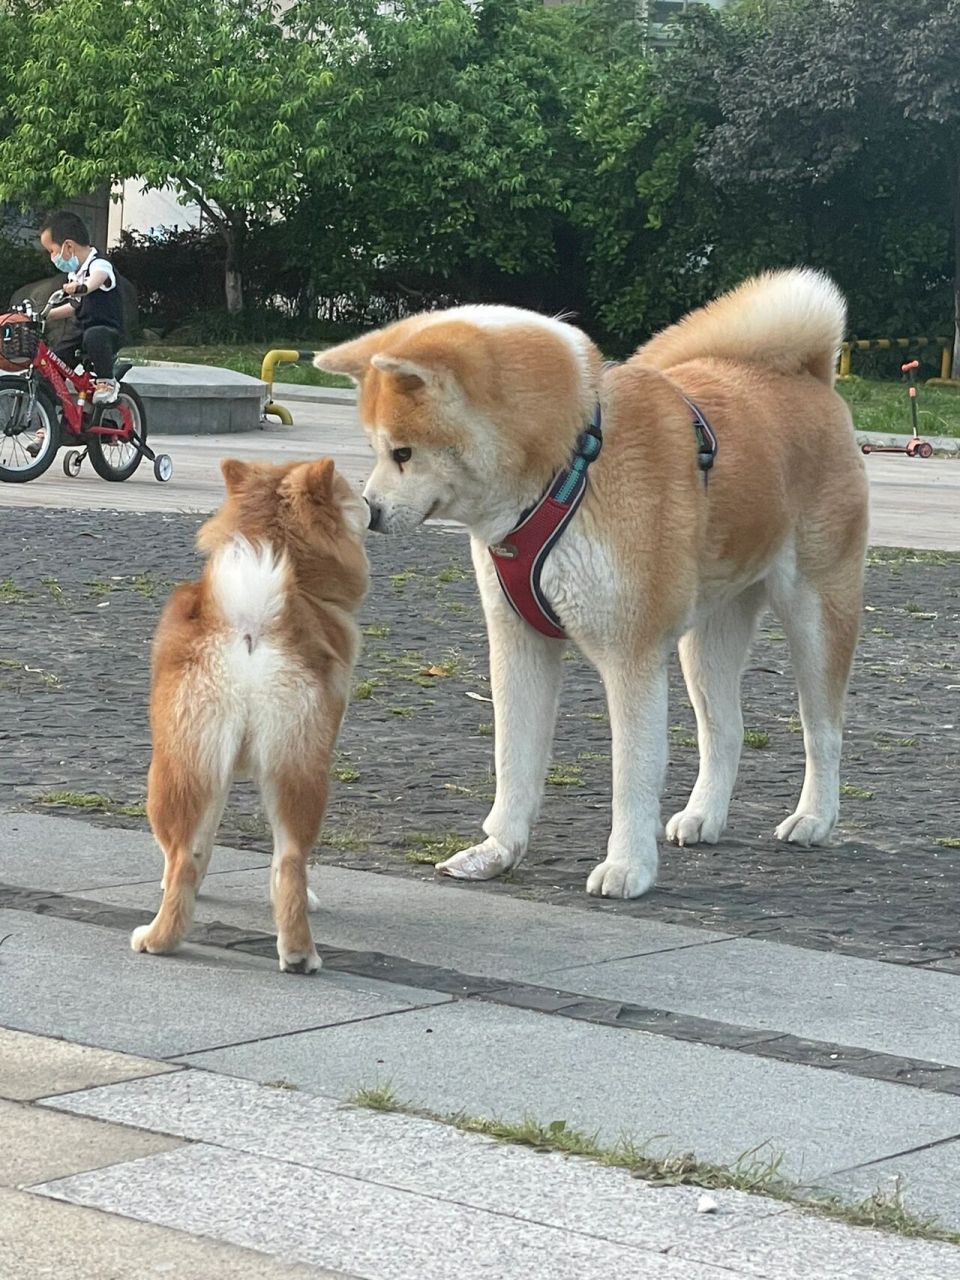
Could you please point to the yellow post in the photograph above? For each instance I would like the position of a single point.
(844, 360)
(267, 373)
(946, 361)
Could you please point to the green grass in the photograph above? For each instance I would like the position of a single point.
(10, 593)
(753, 1172)
(565, 775)
(947, 842)
(242, 357)
(756, 739)
(884, 406)
(376, 629)
(860, 793)
(432, 848)
(363, 689)
(90, 801)
(345, 773)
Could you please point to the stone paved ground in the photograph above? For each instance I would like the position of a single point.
(80, 593)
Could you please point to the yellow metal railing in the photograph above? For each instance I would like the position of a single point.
(886, 344)
(268, 370)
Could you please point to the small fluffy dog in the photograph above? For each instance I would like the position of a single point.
(252, 671)
(474, 411)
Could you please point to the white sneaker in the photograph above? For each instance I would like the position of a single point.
(105, 391)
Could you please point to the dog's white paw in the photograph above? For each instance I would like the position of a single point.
(313, 902)
(299, 961)
(479, 862)
(140, 940)
(690, 826)
(622, 879)
(805, 828)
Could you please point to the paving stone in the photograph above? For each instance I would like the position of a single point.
(31, 1066)
(928, 1181)
(795, 1246)
(840, 999)
(39, 1145)
(507, 1064)
(418, 1155)
(75, 720)
(43, 1239)
(83, 982)
(62, 855)
(433, 923)
(376, 1231)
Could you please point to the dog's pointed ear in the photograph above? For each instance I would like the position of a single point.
(234, 473)
(351, 358)
(411, 374)
(319, 480)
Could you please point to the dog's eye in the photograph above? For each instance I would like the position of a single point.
(401, 455)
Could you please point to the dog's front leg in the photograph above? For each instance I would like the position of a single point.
(525, 675)
(637, 700)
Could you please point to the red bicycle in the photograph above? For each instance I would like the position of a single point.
(44, 404)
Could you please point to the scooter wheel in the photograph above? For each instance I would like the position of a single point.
(866, 448)
(71, 463)
(163, 467)
(925, 450)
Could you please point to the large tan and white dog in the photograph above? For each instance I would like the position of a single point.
(472, 411)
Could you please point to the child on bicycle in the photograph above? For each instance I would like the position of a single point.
(92, 296)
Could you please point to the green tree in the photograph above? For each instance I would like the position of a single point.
(207, 97)
(846, 112)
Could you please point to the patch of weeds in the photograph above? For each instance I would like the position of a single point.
(53, 586)
(456, 606)
(399, 580)
(907, 742)
(947, 842)
(564, 775)
(341, 838)
(756, 739)
(405, 712)
(47, 677)
(376, 629)
(100, 587)
(860, 793)
(10, 593)
(455, 789)
(280, 1084)
(363, 689)
(431, 848)
(452, 573)
(346, 773)
(906, 555)
(91, 801)
(794, 724)
(143, 584)
(485, 729)
(777, 636)
(882, 631)
(753, 1172)
(593, 755)
(597, 715)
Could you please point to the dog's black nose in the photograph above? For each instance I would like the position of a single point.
(375, 513)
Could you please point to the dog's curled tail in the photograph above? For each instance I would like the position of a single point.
(784, 320)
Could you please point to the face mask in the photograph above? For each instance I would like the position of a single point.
(66, 264)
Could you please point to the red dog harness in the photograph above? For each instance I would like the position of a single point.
(520, 556)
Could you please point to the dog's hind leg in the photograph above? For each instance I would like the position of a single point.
(526, 669)
(712, 655)
(184, 809)
(821, 621)
(295, 800)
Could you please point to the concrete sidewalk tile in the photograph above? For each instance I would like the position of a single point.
(38, 1144)
(929, 1181)
(801, 1246)
(83, 982)
(32, 1066)
(815, 994)
(43, 1239)
(62, 855)
(371, 1230)
(508, 1063)
(417, 1155)
(435, 923)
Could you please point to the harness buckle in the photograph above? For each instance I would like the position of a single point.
(505, 551)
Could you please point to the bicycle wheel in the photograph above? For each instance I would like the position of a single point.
(112, 458)
(29, 438)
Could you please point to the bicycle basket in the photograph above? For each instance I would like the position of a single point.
(19, 339)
